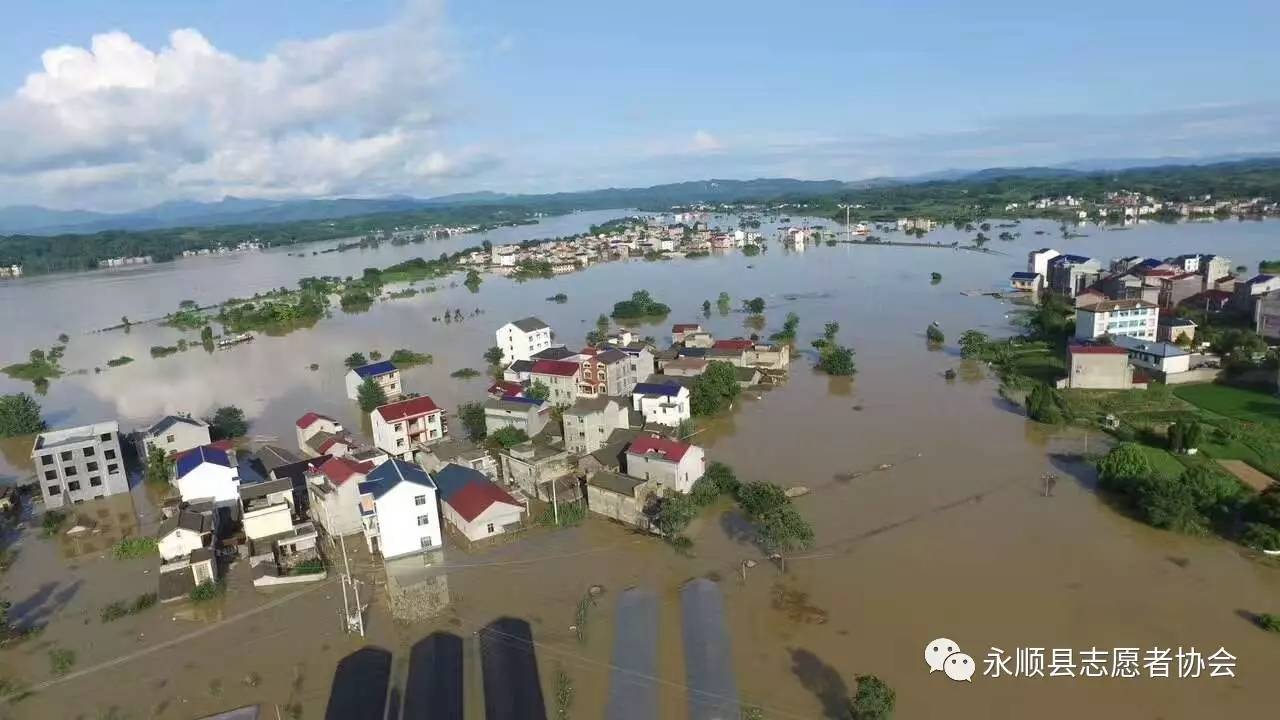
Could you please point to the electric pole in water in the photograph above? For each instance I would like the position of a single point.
(353, 620)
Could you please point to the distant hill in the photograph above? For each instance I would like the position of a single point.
(33, 220)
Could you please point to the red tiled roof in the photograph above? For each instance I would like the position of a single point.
(734, 344)
(309, 419)
(506, 388)
(421, 405)
(476, 497)
(562, 368)
(684, 327)
(340, 470)
(667, 448)
(1096, 350)
(329, 443)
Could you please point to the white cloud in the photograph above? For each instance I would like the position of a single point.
(704, 141)
(119, 123)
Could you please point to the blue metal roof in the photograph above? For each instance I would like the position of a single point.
(375, 369)
(1023, 275)
(453, 477)
(521, 399)
(391, 473)
(199, 456)
(669, 390)
(692, 352)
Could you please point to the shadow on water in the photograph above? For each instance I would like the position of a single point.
(41, 605)
(736, 528)
(434, 686)
(359, 690)
(823, 681)
(512, 690)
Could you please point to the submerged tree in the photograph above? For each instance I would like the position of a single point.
(873, 700)
(370, 395)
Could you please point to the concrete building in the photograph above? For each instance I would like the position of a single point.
(173, 434)
(767, 356)
(1068, 275)
(334, 493)
(589, 422)
(399, 427)
(311, 424)
(1172, 329)
(521, 413)
(1163, 357)
(1027, 282)
(606, 372)
(534, 467)
(457, 452)
(661, 404)
(1214, 267)
(474, 506)
(1175, 289)
(1248, 292)
(685, 367)
(1038, 261)
(679, 330)
(1266, 316)
(77, 464)
(1185, 263)
(620, 497)
(186, 543)
(521, 339)
(672, 464)
(1135, 318)
(560, 377)
(384, 373)
(1098, 367)
(398, 508)
(209, 474)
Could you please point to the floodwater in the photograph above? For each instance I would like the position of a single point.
(953, 539)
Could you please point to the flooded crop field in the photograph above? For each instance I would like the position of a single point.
(925, 497)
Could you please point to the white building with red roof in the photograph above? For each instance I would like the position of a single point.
(334, 491)
(399, 427)
(672, 464)
(309, 425)
(475, 506)
(560, 376)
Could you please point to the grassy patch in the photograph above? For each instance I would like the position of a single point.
(61, 660)
(133, 547)
(464, 373)
(308, 567)
(206, 592)
(118, 609)
(117, 362)
(1232, 402)
(1164, 462)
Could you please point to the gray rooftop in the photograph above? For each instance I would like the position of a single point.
(69, 436)
(530, 324)
(169, 421)
(615, 482)
(187, 520)
(585, 406)
(257, 490)
(274, 456)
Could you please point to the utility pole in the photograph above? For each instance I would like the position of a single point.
(555, 506)
(357, 619)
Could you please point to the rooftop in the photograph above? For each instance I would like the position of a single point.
(469, 492)
(663, 389)
(421, 405)
(262, 489)
(670, 450)
(558, 352)
(1114, 305)
(375, 369)
(1024, 275)
(340, 469)
(521, 366)
(1159, 349)
(685, 327)
(733, 344)
(274, 456)
(390, 474)
(615, 482)
(555, 367)
(530, 324)
(310, 418)
(512, 404)
(168, 421)
(66, 436)
(186, 519)
(1096, 350)
(200, 456)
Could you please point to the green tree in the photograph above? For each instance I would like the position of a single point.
(723, 303)
(873, 700)
(508, 437)
(472, 416)
(1167, 503)
(830, 330)
(1123, 467)
(19, 415)
(706, 308)
(836, 360)
(227, 422)
(157, 468)
(355, 360)
(675, 512)
(538, 391)
(63, 338)
(784, 530)
(723, 478)
(1046, 405)
(206, 335)
(1265, 507)
(758, 499)
(934, 334)
(715, 389)
(755, 306)
(370, 395)
(473, 281)
(686, 428)
(973, 343)
(493, 355)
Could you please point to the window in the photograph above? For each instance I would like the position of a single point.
(426, 542)
(398, 427)
(88, 452)
(489, 528)
(55, 490)
(420, 500)
(46, 460)
(109, 454)
(66, 455)
(399, 442)
(424, 520)
(69, 470)
(112, 467)
(73, 486)
(91, 466)
(50, 474)
(95, 481)
(168, 438)
(105, 437)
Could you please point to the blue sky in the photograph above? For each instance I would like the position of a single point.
(290, 98)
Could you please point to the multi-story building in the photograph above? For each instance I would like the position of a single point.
(1070, 274)
(521, 413)
(383, 373)
(1185, 263)
(664, 404)
(560, 377)
(674, 465)
(399, 427)
(1266, 316)
(334, 495)
(1098, 367)
(1214, 267)
(589, 422)
(398, 510)
(1174, 289)
(606, 372)
(312, 425)
(81, 463)
(1038, 261)
(519, 340)
(209, 473)
(173, 434)
(1135, 318)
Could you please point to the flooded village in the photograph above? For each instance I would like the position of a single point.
(382, 529)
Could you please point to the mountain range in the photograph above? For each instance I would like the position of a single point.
(35, 220)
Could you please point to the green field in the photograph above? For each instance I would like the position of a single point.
(1237, 403)
(1163, 461)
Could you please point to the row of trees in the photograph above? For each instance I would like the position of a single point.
(779, 526)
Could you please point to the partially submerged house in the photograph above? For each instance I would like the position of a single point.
(673, 465)
(400, 427)
(208, 473)
(537, 469)
(589, 422)
(173, 434)
(474, 505)
(384, 374)
(620, 497)
(186, 543)
(458, 452)
(314, 424)
(398, 509)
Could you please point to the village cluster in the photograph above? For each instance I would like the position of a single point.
(598, 431)
(1130, 324)
(1129, 206)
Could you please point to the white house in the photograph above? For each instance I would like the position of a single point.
(398, 509)
(399, 426)
(173, 434)
(384, 373)
(208, 473)
(519, 340)
(312, 424)
(474, 505)
(674, 465)
(1165, 357)
(184, 533)
(334, 493)
(664, 404)
(1135, 318)
(1038, 261)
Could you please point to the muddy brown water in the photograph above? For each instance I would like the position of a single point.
(953, 539)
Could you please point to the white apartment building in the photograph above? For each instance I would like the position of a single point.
(399, 511)
(384, 373)
(399, 426)
(1038, 261)
(80, 463)
(662, 404)
(1135, 318)
(519, 340)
